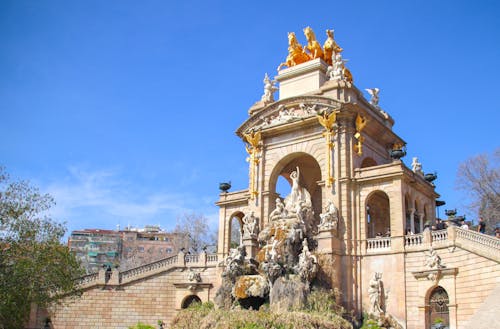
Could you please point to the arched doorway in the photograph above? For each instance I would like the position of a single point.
(191, 299)
(310, 175)
(378, 215)
(438, 308)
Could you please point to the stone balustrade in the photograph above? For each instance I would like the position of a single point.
(126, 276)
(378, 244)
(192, 258)
(482, 244)
(114, 277)
(414, 240)
(438, 236)
(88, 280)
(213, 258)
(485, 245)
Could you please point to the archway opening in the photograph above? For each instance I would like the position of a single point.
(438, 308)
(378, 215)
(235, 230)
(189, 300)
(310, 174)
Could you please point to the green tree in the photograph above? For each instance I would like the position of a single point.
(34, 266)
(479, 176)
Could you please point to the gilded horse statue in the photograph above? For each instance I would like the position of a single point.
(313, 46)
(296, 54)
(330, 48)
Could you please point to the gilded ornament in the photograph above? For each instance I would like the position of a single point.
(330, 48)
(253, 149)
(313, 46)
(296, 54)
(327, 121)
(360, 125)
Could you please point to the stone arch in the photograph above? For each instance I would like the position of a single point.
(368, 162)
(236, 217)
(437, 304)
(310, 175)
(190, 299)
(378, 217)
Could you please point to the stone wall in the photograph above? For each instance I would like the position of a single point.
(148, 295)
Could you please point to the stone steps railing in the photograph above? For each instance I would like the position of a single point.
(479, 243)
(114, 277)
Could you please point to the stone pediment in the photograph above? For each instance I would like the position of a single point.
(293, 109)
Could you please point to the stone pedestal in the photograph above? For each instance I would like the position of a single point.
(302, 78)
(328, 241)
(251, 246)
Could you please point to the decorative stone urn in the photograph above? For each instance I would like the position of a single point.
(397, 154)
(225, 186)
(430, 177)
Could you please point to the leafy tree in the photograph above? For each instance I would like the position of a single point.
(193, 232)
(479, 176)
(34, 266)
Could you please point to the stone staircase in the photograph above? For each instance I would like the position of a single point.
(486, 316)
(113, 277)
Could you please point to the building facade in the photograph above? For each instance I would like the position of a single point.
(132, 247)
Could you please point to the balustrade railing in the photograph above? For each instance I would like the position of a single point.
(213, 258)
(192, 258)
(438, 236)
(479, 238)
(382, 243)
(88, 279)
(148, 267)
(412, 240)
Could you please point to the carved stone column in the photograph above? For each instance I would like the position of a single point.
(412, 219)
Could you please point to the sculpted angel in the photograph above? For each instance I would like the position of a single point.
(374, 93)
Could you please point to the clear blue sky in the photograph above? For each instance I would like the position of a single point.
(125, 111)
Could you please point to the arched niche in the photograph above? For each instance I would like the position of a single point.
(235, 226)
(378, 215)
(189, 300)
(310, 175)
(368, 162)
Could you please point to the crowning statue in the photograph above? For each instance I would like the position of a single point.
(330, 53)
(330, 48)
(296, 54)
